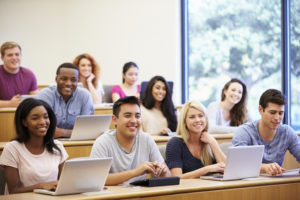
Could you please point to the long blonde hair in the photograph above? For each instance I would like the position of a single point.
(206, 154)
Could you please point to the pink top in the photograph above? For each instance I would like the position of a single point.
(117, 89)
(33, 169)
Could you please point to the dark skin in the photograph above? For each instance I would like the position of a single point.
(66, 80)
(37, 123)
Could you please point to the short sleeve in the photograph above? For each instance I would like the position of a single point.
(154, 151)
(9, 156)
(99, 149)
(33, 86)
(115, 89)
(64, 154)
(174, 153)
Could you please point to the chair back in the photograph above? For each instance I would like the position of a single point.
(107, 94)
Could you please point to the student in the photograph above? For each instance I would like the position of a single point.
(196, 153)
(129, 85)
(89, 76)
(66, 100)
(158, 111)
(231, 112)
(134, 152)
(33, 160)
(269, 131)
(14, 79)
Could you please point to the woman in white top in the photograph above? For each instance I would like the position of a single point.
(89, 76)
(225, 116)
(33, 160)
(158, 111)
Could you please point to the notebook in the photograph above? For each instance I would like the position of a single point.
(242, 162)
(81, 175)
(89, 127)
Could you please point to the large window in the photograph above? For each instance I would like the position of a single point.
(235, 39)
(295, 63)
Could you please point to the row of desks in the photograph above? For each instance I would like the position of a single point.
(7, 128)
(83, 148)
(258, 188)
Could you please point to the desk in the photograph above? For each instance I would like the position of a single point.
(261, 188)
(7, 128)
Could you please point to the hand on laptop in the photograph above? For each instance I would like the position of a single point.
(48, 185)
(272, 169)
(164, 131)
(219, 167)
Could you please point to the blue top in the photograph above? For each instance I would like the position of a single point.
(179, 156)
(79, 104)
(285, 139)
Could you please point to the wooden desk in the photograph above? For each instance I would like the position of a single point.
(261, 188)
(7, 128)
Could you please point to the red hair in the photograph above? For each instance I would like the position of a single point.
(94, 64)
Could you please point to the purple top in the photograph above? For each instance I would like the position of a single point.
(117, 89)
(22, 82)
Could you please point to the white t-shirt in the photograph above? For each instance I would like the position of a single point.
(153, 120)
(33, 169)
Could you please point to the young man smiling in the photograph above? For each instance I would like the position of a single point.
(269, 132)
(134, 153)
(14, 79)
(66, 100)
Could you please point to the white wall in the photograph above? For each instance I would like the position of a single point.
(51, 32)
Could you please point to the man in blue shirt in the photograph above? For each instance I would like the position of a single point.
(268, 131)
(66, 100)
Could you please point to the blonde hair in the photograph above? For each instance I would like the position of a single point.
(8, 45)
(182, 130)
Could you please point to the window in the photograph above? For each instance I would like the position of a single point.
(295, 63)
(234, 39)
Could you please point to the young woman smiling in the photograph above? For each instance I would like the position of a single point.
(231, 112)
(89, 76)
(196, 153)
(33, 160)
(158, 111)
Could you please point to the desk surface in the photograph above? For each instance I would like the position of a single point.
(260, 188)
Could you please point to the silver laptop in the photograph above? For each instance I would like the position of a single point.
(242, 162)
(81, 175)
(89, 127)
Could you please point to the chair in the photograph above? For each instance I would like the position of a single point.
(224, 147)
(2, 181)
(162, 150)
(107, 94)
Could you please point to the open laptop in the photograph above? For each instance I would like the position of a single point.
(89, 127)
(242, 162)
(81, 175)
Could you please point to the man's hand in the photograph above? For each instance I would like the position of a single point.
(272, 169)
(15, 101)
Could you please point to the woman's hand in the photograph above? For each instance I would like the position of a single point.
(90, 78)
(206, 138)
(219, 167)
(48, 185)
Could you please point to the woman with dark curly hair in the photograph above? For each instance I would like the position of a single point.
(231, 112)
(158, 111)
(33, 160)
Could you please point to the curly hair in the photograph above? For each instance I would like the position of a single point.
(94, 64)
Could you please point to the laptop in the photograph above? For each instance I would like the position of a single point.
(89, 127)
(242, 162)
(81, 175)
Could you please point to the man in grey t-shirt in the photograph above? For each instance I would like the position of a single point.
(134, 153)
